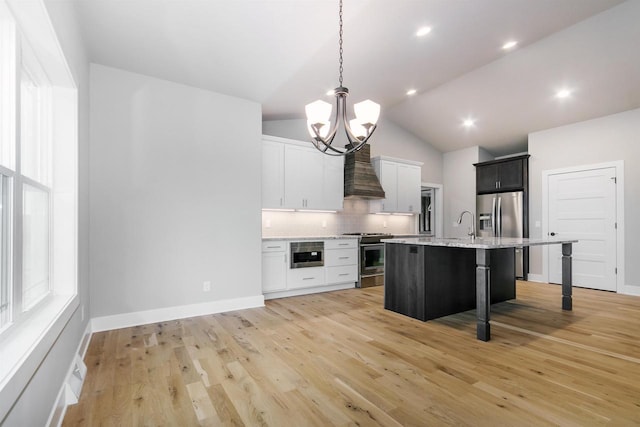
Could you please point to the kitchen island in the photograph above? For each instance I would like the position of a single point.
(428, 277)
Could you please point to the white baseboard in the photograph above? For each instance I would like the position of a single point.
(126, 320)
(631, 290)
(536, 278)
(305, 291)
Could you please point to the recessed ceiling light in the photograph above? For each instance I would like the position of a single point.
(563, 93)
(411, 92)
(423, 31)
(468, 123)
(509, 45)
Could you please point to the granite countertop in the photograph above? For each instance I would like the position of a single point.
(303, 238)
(479, 242)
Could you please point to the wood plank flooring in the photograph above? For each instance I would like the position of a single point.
(339, 358)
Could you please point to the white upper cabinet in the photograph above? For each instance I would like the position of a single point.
(272, 175)
(409, 183)
(333, 182)
(303, 175)
(401, 180)
(297, 176)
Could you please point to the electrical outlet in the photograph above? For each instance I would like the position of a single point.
(268, 223)
(82, 313)
(384, 224)
(324, 223)
(206, 286)
(538, 224)
(455, 224)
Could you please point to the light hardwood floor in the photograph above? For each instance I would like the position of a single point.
(339, 358)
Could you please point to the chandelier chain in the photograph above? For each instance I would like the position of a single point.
(340, 43)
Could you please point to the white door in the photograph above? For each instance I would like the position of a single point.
(582, 206)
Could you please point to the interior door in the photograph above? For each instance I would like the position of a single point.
(582, 206)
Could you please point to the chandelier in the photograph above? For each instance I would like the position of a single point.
(358, 130)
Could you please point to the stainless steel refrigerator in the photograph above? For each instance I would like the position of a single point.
(504, 215)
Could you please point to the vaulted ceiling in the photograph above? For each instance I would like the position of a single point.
(284, 54)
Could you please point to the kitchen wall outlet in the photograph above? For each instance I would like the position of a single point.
(538, 224)
(324, 223)
(82, 313)
(267, 223)
(384, 224)
(455, 224)
(206, 286)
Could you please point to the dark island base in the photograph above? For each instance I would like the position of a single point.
(427, 282)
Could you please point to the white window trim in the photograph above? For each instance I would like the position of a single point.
(25, 345)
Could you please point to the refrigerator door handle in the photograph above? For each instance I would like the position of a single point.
(499, 215)
(494, 231)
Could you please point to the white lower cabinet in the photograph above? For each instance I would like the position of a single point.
(274, 266)
(340, 270)
(305, 277)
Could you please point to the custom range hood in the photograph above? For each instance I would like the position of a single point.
(360, 180)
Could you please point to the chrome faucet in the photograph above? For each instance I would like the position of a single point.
(472, 229)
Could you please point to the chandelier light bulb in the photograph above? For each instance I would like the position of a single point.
(318, 111)
(357, 129)
(367, 112)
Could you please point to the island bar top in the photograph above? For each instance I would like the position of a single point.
(407, 281)
(478, 242)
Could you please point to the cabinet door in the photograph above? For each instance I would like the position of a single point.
(510, 175)
(487, 179)
(409, 181)
(303, 172)
(274, 271)
(272, 175)
(389, 180)
(333, 183)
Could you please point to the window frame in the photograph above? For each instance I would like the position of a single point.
(26, 341)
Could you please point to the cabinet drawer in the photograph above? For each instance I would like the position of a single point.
(347, 273)
(305, 277)
(340, 257)
(274, 246)
(336, 257)
(340, 244)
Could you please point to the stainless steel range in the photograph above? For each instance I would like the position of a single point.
(371, 258)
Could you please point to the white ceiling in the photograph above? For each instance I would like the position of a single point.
(283, 54)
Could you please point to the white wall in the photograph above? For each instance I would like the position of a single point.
(175, 194)
(610, 138)
(459, 179)
(37, 400)
(389, 139)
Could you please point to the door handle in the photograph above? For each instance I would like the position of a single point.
(552, 234)
(499, 216)
(493, 218)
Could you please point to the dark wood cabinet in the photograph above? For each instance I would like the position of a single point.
(502, 175)
(427, 282)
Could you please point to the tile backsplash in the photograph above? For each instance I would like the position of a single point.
(355, 218)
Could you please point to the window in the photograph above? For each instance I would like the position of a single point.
(38, 194)
(26, 194)
(38, 190)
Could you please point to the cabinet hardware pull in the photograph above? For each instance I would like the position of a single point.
(344, 257)
(307, 278)
(343, 244)
(343, 274)
(273, 247)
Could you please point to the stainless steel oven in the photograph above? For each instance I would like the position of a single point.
(307, 254)
(371, 258)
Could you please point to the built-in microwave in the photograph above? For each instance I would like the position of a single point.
(307, 254)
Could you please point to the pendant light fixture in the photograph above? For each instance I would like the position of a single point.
(358, 130)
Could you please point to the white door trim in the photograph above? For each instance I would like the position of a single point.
(619, 166)
(439, 206)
